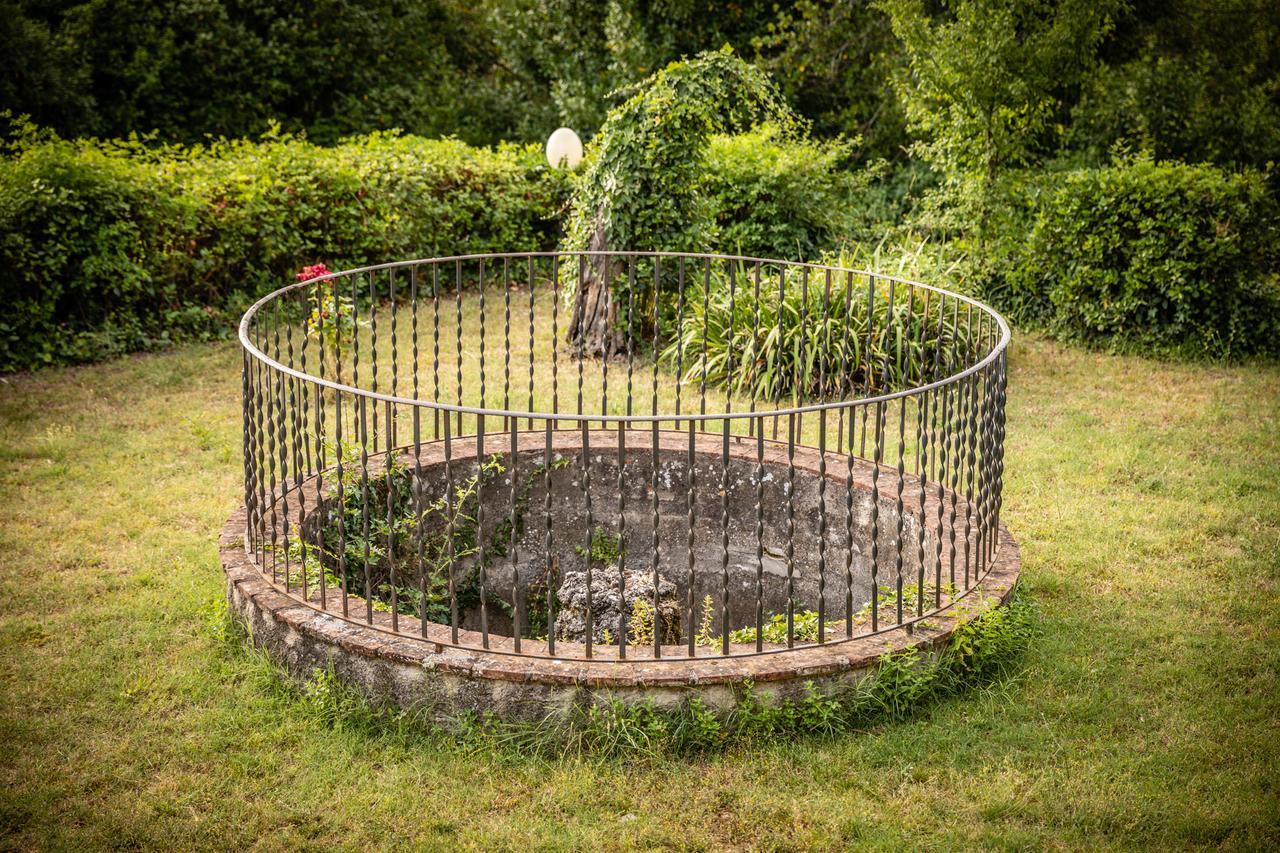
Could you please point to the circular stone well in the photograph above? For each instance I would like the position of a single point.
(454, 676)
(742, 528)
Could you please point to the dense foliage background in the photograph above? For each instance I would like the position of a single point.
(1192, 79)
(1104, 169)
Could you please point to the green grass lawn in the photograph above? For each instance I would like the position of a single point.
(1146, 497)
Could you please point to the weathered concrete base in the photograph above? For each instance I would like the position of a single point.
(446, 681)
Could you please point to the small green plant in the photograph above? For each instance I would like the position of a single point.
(332, 317)
(804, 627)
(640, 625)
(606, 547)
(706, 631)
(805, 621)
(697, 728)
(392, 539)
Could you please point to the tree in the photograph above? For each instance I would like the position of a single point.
(834, 62)
(581, 51)
(187, 68)
(640, 188)
(984, 79)
(1189, 80)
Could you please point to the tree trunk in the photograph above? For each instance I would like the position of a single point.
(593, 327)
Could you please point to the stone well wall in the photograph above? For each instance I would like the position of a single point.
(421, 666)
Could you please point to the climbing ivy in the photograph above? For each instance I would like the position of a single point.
(640, 189)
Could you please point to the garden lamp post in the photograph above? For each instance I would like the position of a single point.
(564, 149)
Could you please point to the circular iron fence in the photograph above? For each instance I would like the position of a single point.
(622, 456)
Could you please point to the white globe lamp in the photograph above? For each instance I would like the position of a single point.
(564, 149)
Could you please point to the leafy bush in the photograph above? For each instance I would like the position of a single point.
(1158, 256)
(88, 234)
(639, 188)
(775, 197)
(108, 247)
(329, 67)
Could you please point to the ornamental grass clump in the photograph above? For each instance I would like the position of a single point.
(800, 336)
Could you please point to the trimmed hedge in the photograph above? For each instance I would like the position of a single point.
(109, 247)
(1166, 258)
(112, 247)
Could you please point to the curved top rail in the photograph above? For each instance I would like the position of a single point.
(254, 351)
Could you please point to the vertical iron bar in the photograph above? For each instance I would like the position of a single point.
(390, 444)
(922, 454)
(457, 306)
(481, 311)
(550, 569)
(531, 341)
(954, 428)
(373, 350)
(822, 356)
(481, 557)
(801, 365)
(607, 354)
(506, 340)
(848, 526)
(364, 508)
(866, 366)
(680, 335)
(724, 538)
(691, 579)
(622, 523)
(417, 485)
(340, 454)
(753, 372)
(759, 428)
(555, 339)
(791, 529)
(706, 308)
(902, 332)
(586, 501)
(517, 621)
(451, 554)
(435, 350)
(655, 459)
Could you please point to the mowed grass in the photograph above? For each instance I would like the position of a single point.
(1146, 497)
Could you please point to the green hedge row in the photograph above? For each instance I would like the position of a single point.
(111, 247)
(1165, 258)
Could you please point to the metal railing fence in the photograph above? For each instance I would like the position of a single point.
(775, 454)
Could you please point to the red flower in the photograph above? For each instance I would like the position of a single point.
(313, 271)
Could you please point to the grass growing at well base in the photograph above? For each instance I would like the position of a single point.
(1144, 714)
(983, 649)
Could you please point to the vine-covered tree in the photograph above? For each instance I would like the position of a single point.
(640, 188)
